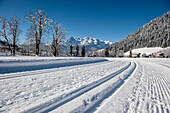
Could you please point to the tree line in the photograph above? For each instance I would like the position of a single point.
(153, 34)
(83, 51)
(10, 28)
(40, 25)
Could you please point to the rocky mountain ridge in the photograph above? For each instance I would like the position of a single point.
(88, 42)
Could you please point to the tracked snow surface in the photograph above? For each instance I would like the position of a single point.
(84, 85)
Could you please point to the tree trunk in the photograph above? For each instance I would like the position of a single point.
(14, 45)
(9, 46)
(55, 51)
(37, 49)
(36, 44)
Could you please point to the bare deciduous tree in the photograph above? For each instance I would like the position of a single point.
(31, 39)
(14, 30)
(40, 22)
(4, 31)
(58, 37)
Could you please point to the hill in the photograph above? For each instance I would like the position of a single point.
(156, 33)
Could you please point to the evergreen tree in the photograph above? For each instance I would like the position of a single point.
(83, 51)
(153, 34)
(71, 50)
(106, 52)
(77, 50)
(130, 53)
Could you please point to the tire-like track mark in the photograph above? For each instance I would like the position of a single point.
(55, 103)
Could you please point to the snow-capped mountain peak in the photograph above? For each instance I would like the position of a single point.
(89, 42)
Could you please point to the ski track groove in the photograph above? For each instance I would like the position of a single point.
(71, 68)
(15, 90)
(151, 91)
(72, 95)
(157, 87)
(92, 106)
(160, 96)
(136, 95)
(39, 72)
(154, 95)
(165, 95)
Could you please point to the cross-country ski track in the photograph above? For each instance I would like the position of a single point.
(121, 85)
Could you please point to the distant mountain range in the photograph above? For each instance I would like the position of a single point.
(4, 44)
(89, 42)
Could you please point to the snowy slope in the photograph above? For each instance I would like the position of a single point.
(111, 85)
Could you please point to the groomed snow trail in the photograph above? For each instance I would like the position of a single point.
(115, 85)
(37, 89)
(152, 93)
(86, 97)
(147, 91)
(35, 64)
(42, 71)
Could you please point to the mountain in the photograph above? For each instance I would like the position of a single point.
(88, 42)
(4, 44)
(156, 33)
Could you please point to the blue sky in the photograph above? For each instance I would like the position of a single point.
(110, 20)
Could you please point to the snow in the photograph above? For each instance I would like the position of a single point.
(19, 64)
(87, 85)
(37, 58)
(108, 42)
(145, 50)
(146, 91)
(88, 42)
(5, 54)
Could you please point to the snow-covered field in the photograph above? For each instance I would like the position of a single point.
(75, 84)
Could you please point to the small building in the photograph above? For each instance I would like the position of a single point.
(161, 55)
